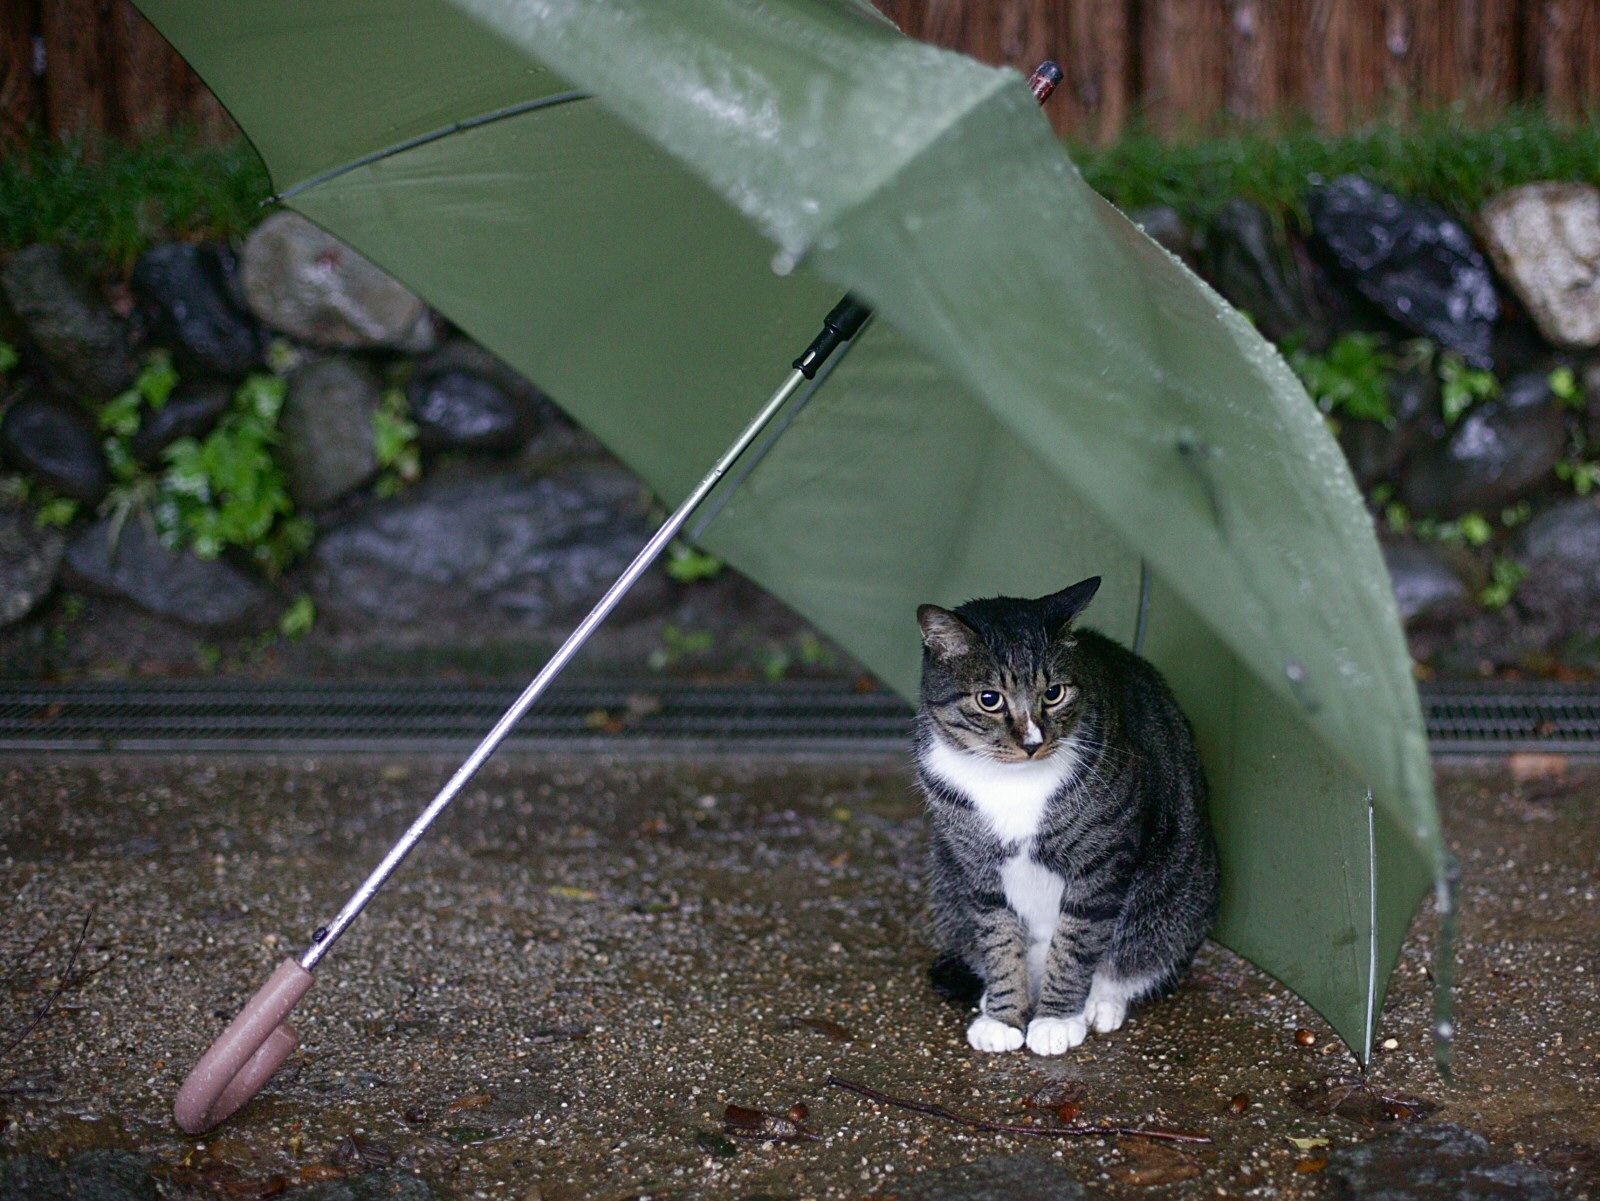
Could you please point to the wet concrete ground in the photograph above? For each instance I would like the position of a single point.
(559, 996)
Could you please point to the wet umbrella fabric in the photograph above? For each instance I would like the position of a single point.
(648, 207)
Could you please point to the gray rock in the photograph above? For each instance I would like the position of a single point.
(187, 297)
(55, 298)
(1378, 450)
(92, 1176)
(328, 448)
(132, 564)
(503, 553)
(54, 442)
(458, 410)
(307, 283)
(1561, 550)
(1413, 260)
(1166, 226)
(1500, 451)
(1426, 588)
(1023, 1177)
(29, 557)
(191, 411)
(1248, 262)
(1436, 1163)
(1545, 239)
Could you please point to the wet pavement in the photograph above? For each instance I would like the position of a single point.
(590, 960)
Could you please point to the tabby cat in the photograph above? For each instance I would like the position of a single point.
(1072, 869)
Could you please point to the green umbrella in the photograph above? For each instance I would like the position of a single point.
(647, 207)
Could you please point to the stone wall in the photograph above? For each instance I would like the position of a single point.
(419, 504)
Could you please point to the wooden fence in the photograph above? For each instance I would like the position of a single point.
(97, 67)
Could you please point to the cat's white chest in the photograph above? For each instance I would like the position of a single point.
(1010, 797)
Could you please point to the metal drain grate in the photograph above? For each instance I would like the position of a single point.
(826, 718)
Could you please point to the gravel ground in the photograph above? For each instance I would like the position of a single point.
(591, 959)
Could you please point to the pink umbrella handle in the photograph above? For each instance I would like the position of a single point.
(247, 1053)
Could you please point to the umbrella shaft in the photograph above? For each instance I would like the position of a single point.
(328, 935)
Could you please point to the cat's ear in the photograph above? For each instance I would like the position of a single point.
(1062, 608)
(943, 633)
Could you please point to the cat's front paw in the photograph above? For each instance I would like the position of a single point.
(1056, 1036)
(1106, 1014)
(991, 1034)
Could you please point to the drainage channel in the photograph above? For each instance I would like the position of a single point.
(797, 718)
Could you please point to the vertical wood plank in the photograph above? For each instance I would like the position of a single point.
(21, 101)
(77, 79)
(1182, 63)
(1564, 54)
(149, 78)
(1253, 84)
(1095, 47)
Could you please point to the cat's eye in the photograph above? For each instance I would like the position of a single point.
(989, 700)
(1055, 694)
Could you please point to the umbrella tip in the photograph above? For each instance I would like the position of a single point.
(1044, 79)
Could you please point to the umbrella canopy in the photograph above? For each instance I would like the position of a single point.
(647, 208)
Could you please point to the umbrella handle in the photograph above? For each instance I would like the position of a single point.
(246, 1054)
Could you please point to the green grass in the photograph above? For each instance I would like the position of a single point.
(1435, 157)
(116, 202)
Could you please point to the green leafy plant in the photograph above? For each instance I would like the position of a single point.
(689, 564)
(120, 416)
(56, 511)
(227, 489)
(1582, 474)
(8, 358)
(1504, 578)
(1348, 379)
(298, 618)
(678, 645)
(1461, 387)
(394, 438)
(1565, 388)
(1472, 528)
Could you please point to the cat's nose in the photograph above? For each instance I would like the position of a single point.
(1032, 740)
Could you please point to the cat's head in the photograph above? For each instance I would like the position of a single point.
(999, 676)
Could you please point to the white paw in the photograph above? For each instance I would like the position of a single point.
(1105, 1014)
(1053, 1036)
(989, 1034)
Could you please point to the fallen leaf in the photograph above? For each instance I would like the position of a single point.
(1536, 765)
(573, 894)
(470, 1101)
(832, 1029)
(314, 1172)
(1239, 1103)
(1148, 1163)
(1312, 1165)
(1359, 1101)
(1308, 1144)
(743, 1122)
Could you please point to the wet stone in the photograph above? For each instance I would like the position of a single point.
(1413, 260)
(131, 563)
(1377, 450)
(92, 1176)
(191, 411)
(328, 447)
(54, 442)
(56, 299)
(29, 557)
(458, 410)
(1499, 452)
(519, 552)
(303, 281)
(1249, 264)
(1167, 228)
(1024, 1177)
(187, 294)
(1426, 588)
(1561, 550)
(1436, 1163)
(1545, 239)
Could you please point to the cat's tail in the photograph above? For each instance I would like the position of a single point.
(953, 980)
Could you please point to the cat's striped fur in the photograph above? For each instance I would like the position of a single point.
(1072, 869)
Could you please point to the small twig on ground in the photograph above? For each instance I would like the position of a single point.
(65, 979)
(950, 1115)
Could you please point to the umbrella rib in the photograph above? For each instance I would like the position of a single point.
(422, 139)
(1372, 928)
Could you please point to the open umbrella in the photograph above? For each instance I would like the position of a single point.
(647, 207)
